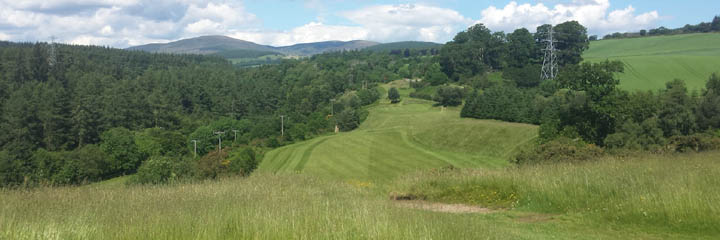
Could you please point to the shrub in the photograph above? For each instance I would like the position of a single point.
(162, 169)
(119, 144)
(449, 96)
(697, 142)
(561, 149)
(242, 161)
(86, 164)
(348, 119)
(213, 164)
(394, 95)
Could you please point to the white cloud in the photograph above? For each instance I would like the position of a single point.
(408, 22)
(593, 14)
(311, 32)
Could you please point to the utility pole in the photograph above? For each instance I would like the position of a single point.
(235, 131)
(219, 139)
(194, 148)
(549, 68)
(332, 107)
(282, 125)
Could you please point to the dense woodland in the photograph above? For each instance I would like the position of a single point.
(99, 112)
(93, 113)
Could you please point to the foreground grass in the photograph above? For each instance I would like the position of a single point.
(650, 62)
(264, 207)
(671, 194)
(397, 139)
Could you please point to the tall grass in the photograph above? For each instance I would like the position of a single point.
(259, 207)
(675, 193)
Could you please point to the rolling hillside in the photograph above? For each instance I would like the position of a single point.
(231, 47)
(650, 62)
(401, 138)
(203, 45)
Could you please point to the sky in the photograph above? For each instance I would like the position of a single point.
(124, 23)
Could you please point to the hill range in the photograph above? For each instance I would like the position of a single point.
(235, 48)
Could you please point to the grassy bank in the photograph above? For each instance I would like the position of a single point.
(676, 193)
(650, 62)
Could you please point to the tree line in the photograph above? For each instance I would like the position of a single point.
(703, 27)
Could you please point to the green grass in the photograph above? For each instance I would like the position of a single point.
(676, 194)
(672, 197)
(401, 138)
(650, 62)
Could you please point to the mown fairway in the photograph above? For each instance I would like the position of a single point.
(402, 138)
(650, 62)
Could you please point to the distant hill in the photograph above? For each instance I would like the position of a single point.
(234, 48)
(412, 45)
(306, 49)
(203, 45)
(650, 62)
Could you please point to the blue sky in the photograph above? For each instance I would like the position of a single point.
(123, 23)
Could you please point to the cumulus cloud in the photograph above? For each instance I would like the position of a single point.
(119, 23)
(593, 14)
(408, 21)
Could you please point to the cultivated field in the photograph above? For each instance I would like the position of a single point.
(650, 62)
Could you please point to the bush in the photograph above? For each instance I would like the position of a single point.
(694, 143)
(119, 144)
(449, 96)
(86, 164)
(559, 150)
(348, 120)
(368, 96)
(394, 95)
(161, 169)
(213, 164)
(242, 161)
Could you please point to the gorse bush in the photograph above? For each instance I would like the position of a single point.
(560, 150)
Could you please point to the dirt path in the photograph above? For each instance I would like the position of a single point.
(444, 207)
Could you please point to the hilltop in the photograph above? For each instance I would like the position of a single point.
(650, 62)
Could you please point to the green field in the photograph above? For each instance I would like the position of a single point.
(402, 138)
(650, 62)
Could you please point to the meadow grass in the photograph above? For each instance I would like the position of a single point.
(400, 138)
(266, 206)
(650, 62)
(654, 193)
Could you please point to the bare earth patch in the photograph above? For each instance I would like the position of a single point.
(444, 207)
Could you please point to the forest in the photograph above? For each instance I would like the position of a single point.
(79, 114)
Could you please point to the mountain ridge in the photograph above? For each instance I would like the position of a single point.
(221, 45)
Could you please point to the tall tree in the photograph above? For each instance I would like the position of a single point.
(572, 42)
(521, 48)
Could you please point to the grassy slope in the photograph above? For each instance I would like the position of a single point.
(651, 193)
(652, 61)
(402, 138)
